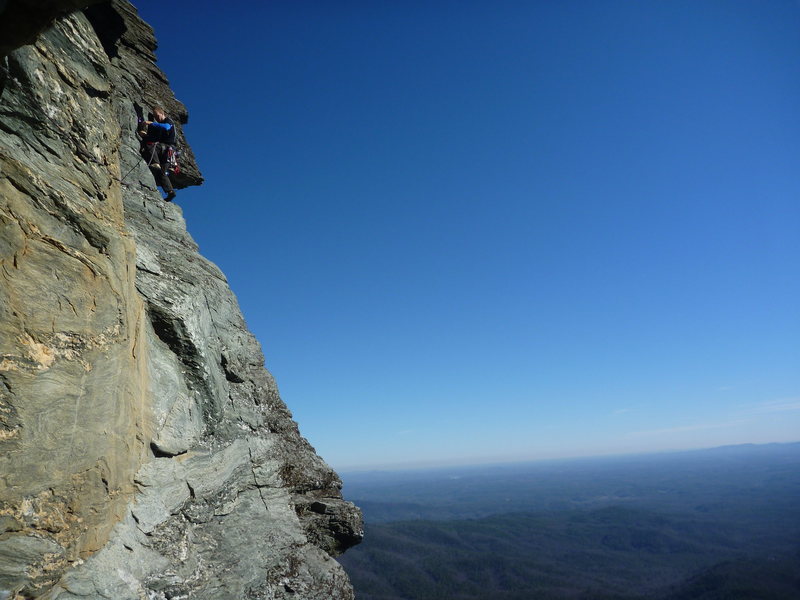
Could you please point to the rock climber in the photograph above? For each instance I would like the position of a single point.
(158, 147)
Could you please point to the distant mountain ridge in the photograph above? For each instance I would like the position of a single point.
(483, 490)
(718, 524)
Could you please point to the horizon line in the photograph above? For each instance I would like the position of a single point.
(496, 461)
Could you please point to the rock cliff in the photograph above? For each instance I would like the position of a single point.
(144, 450)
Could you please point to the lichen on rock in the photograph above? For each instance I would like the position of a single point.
(144, 449)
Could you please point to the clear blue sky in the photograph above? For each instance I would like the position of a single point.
(480, 230)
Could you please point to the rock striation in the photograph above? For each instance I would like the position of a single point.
(145, 452)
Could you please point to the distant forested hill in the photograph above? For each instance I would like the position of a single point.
(773, 578)
(714, 525)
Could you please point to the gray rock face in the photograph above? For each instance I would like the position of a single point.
(144, 449)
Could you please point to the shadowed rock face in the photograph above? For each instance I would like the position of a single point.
(144, 449)
(21, 21)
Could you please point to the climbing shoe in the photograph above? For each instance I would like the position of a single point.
(170, 196)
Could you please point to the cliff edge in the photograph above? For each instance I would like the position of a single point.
(145, 452)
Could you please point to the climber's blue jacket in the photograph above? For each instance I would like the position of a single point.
(161, 132)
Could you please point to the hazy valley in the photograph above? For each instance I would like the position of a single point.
(712, 524)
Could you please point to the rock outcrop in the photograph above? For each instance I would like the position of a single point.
(144, 450)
